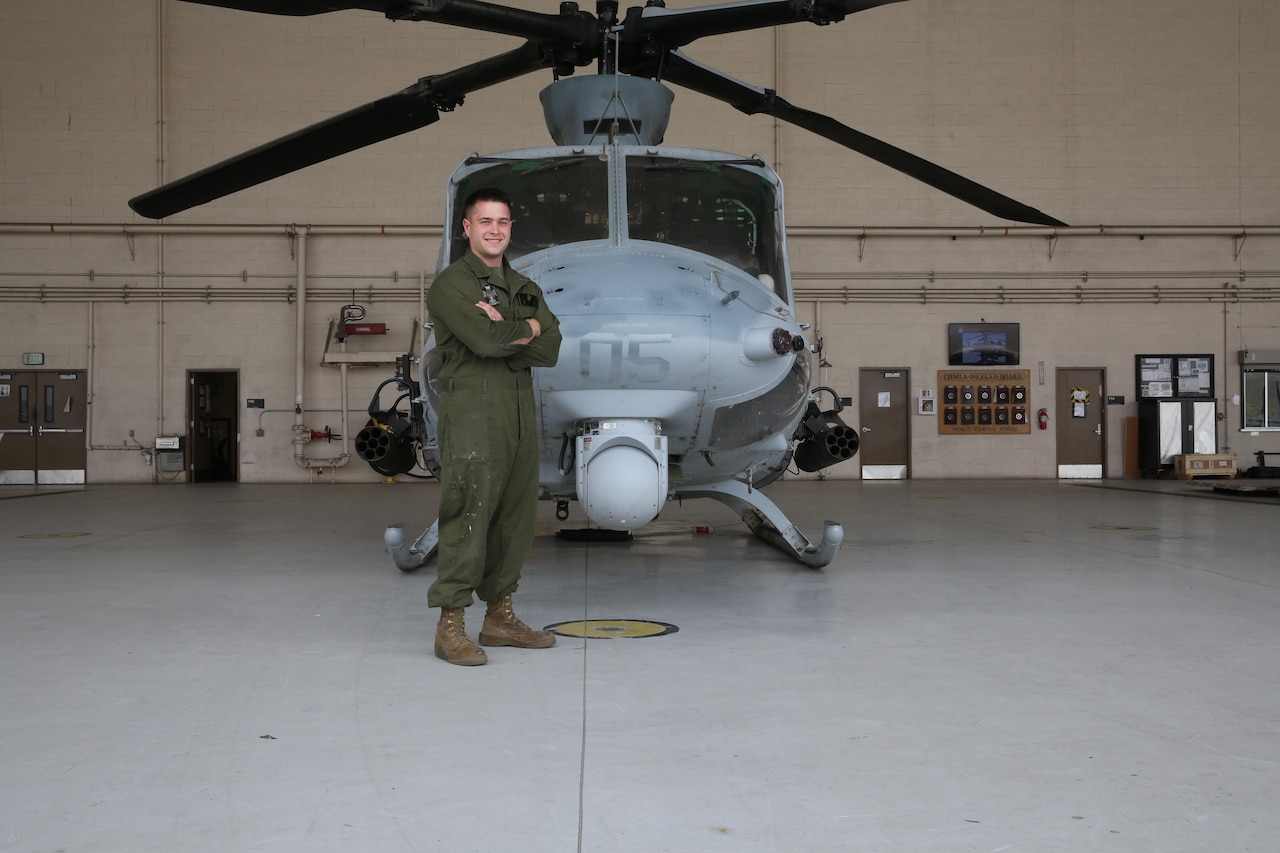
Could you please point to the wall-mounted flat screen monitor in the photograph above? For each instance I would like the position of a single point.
(979, 344)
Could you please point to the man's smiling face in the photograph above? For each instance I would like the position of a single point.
(488, 227)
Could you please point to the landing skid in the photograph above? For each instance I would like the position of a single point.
(762, 516)
(410, 557)
(768, 522)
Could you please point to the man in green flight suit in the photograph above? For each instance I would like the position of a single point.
(492, 325)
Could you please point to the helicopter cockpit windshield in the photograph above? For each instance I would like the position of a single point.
(723, 208)
(710, 206)
(556, 200)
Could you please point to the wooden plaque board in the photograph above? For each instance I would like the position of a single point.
(984, 402)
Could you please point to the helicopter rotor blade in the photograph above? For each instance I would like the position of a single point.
(566, 28)
(298, 7)
(751, 100)
(678, 27)
(409, 109)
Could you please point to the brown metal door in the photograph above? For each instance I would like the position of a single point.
(62, 416)
(42, 424)
(1081, 414)
(884, 423)
(17, 428)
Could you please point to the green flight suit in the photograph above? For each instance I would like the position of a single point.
(487, 426)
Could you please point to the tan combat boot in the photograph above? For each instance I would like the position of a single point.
(452, 642)
(502, 628)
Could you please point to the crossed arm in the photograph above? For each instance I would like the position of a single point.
(492, 313)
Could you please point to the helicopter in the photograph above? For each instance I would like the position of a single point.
(684, 370)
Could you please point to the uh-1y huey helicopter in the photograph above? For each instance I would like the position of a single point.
(684, 371)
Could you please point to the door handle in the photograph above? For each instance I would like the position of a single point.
(866, 429)
(1098, 430)
(31, 431)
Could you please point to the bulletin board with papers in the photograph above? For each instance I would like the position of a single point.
(1174, 377)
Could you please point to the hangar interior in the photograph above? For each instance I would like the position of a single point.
(1021, 645)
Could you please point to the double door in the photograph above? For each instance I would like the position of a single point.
(42, 424)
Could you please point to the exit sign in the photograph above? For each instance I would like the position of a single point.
(33, 358)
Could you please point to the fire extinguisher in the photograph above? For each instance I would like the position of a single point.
(1042, 418)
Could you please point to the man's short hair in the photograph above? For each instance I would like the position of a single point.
(484, 194)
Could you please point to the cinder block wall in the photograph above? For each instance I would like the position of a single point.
(1154, 114)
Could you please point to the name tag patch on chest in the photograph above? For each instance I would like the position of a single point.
(490, 294)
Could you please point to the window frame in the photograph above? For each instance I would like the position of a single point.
(1270, 392)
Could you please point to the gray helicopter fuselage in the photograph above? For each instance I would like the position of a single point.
(667, 268)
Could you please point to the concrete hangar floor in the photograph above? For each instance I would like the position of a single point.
(987, 665)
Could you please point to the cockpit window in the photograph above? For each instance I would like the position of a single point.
(718, 208)
(555, 200)
(711, 207)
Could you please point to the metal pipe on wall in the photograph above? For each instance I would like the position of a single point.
(301, 432)
(299, 238)
(1139, 231)
(137, 228)
(89, 367)
(1152, 294)
(1225, 440)
(300, 293)
(37, 290)
(818, 231)
(160, 84)
(159, 366)
(160, 179)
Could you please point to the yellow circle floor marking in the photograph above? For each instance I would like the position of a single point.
(593, 629)
(50, 535)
